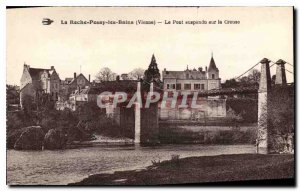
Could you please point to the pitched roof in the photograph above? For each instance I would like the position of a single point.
(73, 79)
(212, 65)
(182, 74)
(36, 73)
(128, 86)
(117, 86)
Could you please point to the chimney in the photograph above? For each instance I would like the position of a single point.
(280, 72)
(74, 75)
(52, 67)
(205, 68)
(89, 77)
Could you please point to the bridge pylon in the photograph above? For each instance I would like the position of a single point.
(280, 72)
(263, 106)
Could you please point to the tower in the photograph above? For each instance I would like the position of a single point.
(213, 80)
(213, 71)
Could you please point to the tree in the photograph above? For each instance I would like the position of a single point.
(253, 77)
(279, 117)
(152, 73)
(136, 73)
(231, 83)
(12, 94)
(105, 74)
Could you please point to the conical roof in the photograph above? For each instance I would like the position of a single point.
(212, 65)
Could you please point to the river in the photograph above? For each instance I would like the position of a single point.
(72, 165)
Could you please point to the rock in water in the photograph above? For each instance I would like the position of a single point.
(30, 139)
(54, 139)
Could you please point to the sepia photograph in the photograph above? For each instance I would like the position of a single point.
(150, 96)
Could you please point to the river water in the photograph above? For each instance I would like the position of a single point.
(72, 165)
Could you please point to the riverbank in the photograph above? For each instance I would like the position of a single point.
(201, 170)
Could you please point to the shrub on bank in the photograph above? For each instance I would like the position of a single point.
(177, 135)
(78, 126)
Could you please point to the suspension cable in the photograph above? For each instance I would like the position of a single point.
(247, 71)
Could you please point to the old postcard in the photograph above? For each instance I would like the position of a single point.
(150, 95)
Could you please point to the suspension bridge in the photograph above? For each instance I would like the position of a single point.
(145, 120)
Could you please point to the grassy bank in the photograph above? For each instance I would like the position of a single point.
(201, 170)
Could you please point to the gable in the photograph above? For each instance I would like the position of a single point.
(80, 80)
(54, 75)
(25, 79)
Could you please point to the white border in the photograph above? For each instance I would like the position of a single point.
(106, 3)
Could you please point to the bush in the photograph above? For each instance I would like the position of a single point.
(175, 160)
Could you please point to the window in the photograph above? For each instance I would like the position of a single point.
(170, 86)
(187, 86)
(196, 86)
(178, 86)
(213, 76)
(202, 86)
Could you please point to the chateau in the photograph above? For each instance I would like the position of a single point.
(192, 80)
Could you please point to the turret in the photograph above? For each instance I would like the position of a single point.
(213, 71)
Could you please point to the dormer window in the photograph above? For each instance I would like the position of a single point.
(213, 76)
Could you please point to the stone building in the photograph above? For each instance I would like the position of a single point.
(69, 85)
(192, 80)
(36, 81)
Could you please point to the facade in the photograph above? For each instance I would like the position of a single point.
(36, 81)
(70, 85)
(89, 93)
(192, 80)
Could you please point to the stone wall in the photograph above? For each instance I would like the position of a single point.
(207, 108)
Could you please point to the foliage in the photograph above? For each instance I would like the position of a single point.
(175, 160)
(80, 125)
(136, 74)
(178, 135)
(279, 118)
(233, 115)
(105, 74)
(282, 110)
(245, 109)
(251, 79)
(156, 162)
(231, 83)
(12, 94)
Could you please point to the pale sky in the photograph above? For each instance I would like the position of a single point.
(262, 32)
